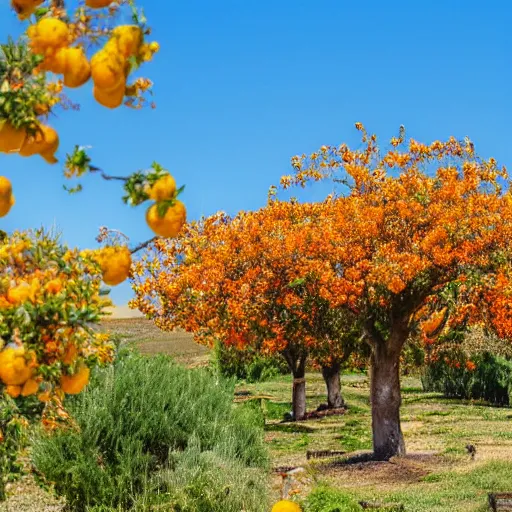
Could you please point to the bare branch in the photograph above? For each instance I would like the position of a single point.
(143, 245)
(107, 176)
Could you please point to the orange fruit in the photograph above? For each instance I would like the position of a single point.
(11, 139)
(171, 223)
(31, 387)
(77, 69)
(13, 391)
(45, 143)
(55, 61)
(163, 189)
(14, 370)
(112, 98)
(25, 8)
(6, 204)
(115, 263)
(286, 506)
(48, 33)
(107, 69)
(128, 39)
(5, 188)
(74, 384)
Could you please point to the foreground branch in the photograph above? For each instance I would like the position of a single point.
(143, 245)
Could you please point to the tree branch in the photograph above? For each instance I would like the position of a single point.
(143, 245)
(105, 176)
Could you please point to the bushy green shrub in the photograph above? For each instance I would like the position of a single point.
(325, 499)
(135, 420)
(204, 481)
(485, 376)
(247, 364)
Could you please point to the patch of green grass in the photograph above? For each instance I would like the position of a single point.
(453, 491)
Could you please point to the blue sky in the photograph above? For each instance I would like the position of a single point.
(243, 85)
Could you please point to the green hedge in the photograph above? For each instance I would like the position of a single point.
(490, 379)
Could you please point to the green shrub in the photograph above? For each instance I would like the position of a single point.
(485, 376)
(204, 481)
(134, 421)
(324, 499)
(247, 364)
(13, 437)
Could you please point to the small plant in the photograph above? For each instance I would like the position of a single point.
(324, 499)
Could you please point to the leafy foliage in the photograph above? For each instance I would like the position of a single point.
(133, 424)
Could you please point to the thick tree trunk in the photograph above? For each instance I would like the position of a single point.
(388, 440)
(331, 375)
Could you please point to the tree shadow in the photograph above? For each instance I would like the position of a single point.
(289, 427)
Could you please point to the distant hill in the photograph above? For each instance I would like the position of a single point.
(124, 312)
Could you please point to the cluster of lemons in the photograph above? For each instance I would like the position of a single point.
(17, 368)
(111, 65)
(6, 196)
(168, 226)
(116, 261)
(51, 38)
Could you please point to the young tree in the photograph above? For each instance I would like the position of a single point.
(248, 281)
(419, 228)
(50, 296)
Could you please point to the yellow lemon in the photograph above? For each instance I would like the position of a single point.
(107, 69)
(5, 188)
(77, 69)
(128, 39)
(6, 204)
(31, 387)
(163, 189)
(110, 99)
(49, 33)
(171, 223)
(286, 506)
(11, 139)
(45, 143)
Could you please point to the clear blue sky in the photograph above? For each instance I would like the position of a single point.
(243, 85)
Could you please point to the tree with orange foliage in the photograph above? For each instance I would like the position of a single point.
(252, 280)
(420, 228)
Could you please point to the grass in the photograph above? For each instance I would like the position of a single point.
(437, 475)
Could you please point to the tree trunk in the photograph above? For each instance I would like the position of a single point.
(331, 375)
(388, 440)
(299, 397)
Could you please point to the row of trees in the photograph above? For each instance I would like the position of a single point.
(417, 244)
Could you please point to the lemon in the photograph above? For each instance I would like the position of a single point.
(171, 223)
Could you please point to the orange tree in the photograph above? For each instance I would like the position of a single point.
(419, 229)
(250, 281)
(50, 296)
